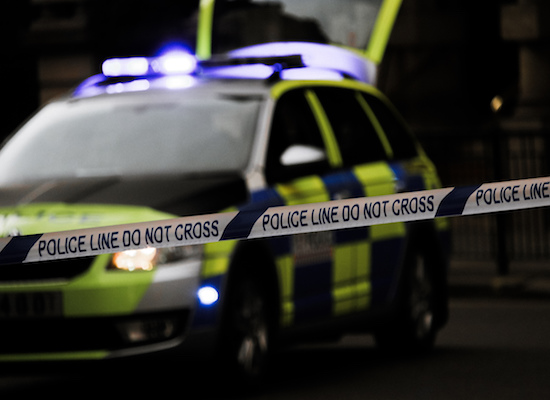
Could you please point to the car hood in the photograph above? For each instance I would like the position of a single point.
(86, 203)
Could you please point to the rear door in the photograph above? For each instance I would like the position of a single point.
(331, 273)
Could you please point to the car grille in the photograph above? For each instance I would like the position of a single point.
(21, 336)
(46, 270)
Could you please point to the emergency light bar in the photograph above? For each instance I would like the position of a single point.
(173, 63)
(276, 56)
(180, 63)
(278, 60)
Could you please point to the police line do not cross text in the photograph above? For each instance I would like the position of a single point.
(280, 220)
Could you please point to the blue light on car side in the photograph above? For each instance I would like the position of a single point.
(208, 295)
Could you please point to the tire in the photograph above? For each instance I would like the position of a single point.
(415, 325)
(421, 307)
(246, 334)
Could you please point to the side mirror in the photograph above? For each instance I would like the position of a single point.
(302, 154)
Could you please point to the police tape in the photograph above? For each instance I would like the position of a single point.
(279, 221)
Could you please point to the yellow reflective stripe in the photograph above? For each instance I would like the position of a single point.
(343, 256)
(343, 277)
(285, 272)
(334, 156)
(204, 29)
(282, 87)
(310, 189)
(387, 231)
(217, 257)
(363, 261)
(74, 355)
(351, 277)
(382, 30)
(363, 295)
(215, 266)
(343, 300)
(376, 178)
(377, 127)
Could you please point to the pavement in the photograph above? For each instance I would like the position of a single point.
(481, 279)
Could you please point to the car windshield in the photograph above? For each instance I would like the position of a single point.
(123, 135)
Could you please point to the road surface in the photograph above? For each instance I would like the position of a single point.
(491, 348)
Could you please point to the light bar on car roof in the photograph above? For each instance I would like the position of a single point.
(172, 63)
(178, 68)
(182, 63)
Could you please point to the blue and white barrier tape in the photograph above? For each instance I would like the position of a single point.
(278, 221)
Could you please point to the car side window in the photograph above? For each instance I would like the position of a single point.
(401, 141)
(294, 128)
(355, 133)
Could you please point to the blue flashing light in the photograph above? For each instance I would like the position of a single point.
(129, 66)
(208, 295)
(176, 68)
(170, 63)
(174, 63)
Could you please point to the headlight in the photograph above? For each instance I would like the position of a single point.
(151, 257)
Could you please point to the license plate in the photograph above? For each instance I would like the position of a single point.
(31, 305)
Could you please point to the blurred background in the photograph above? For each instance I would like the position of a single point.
(470, 77)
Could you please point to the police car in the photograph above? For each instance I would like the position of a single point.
(154, 138)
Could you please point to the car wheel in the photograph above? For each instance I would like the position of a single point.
(421, 304)
(413, 329)
(246, 337)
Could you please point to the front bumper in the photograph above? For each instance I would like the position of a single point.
(91, 338)
(103, 313)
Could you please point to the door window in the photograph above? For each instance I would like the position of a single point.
(357, 138)
(401, 141)
(295, 146)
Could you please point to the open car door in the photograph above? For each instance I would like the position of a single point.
(363, 26)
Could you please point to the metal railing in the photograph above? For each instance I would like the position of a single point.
(491, 154)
